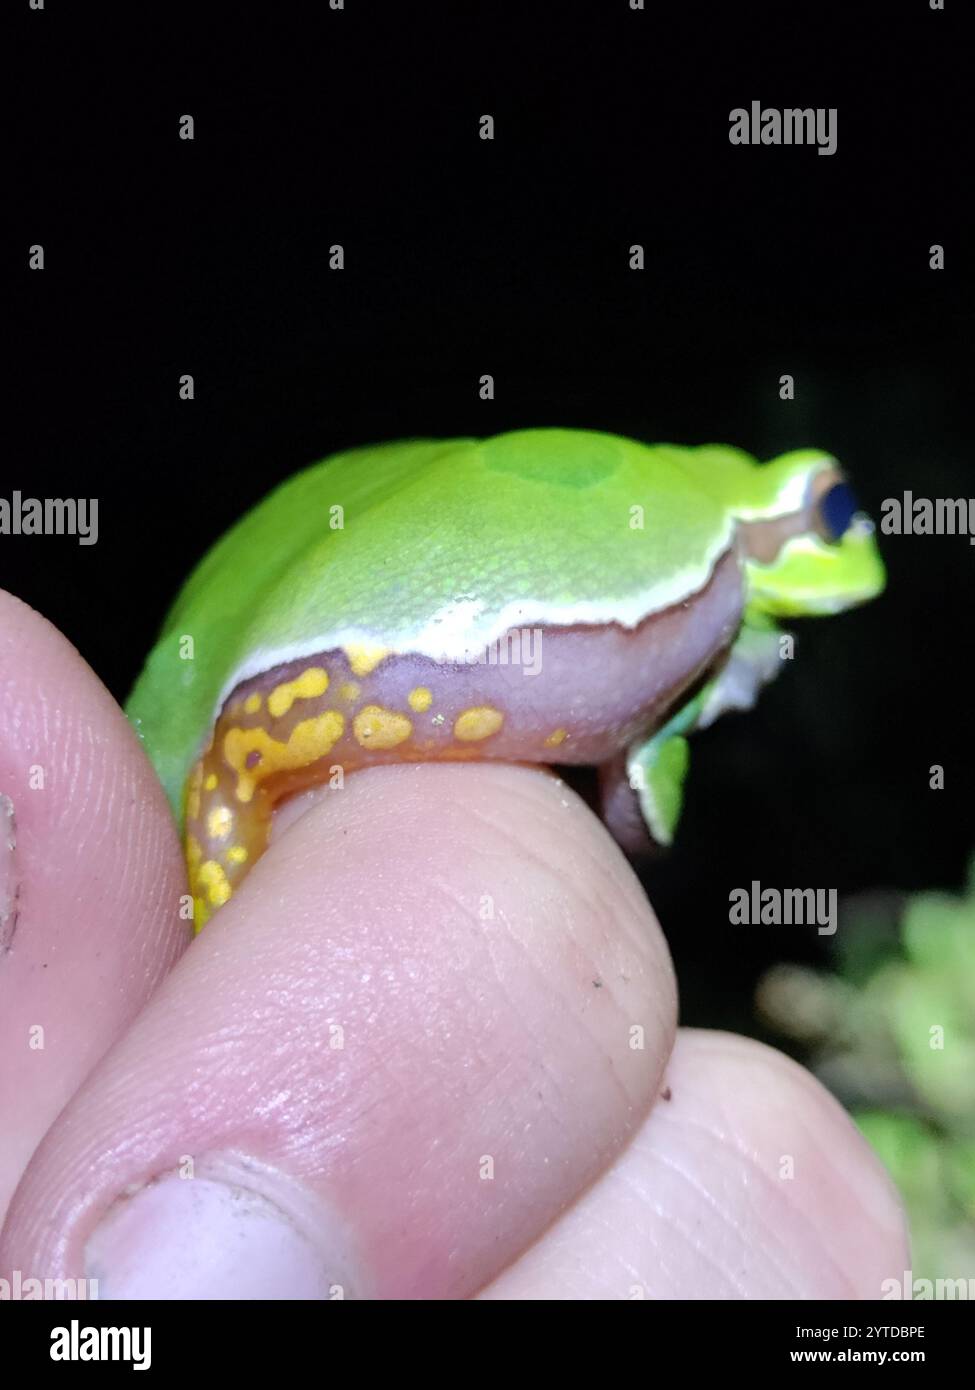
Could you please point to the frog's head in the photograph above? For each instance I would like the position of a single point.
(808, 548)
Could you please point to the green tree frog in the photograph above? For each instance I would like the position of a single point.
(546, 595)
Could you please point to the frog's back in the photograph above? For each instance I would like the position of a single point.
(381, 541)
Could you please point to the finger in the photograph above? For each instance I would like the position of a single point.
(430, 1017)
(747, 1181)
(90, 878)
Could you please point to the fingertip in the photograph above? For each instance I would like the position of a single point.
(439, 1005)
(748, 1181)
(92, 877)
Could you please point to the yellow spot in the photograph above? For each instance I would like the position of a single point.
(350, 690)
(555, 738)
(419, 699)
(376, 727)
(480, 722)
(219, 822)
(252, 704)
(193, 792)
(214, 880)
(236, 855)
(364, 657)
(308, 686)
(211, 782)
(307, 742)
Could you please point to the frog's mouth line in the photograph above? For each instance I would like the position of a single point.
(763, 540)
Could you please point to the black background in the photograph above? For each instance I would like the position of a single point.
(466, 257)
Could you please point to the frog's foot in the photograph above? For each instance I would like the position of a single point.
(641, 792)
(648, 784)
(655, 771)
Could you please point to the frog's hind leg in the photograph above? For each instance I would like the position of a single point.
(224, 836)
(620, 809)
(642, 791)
(648, 783)
(272, 737)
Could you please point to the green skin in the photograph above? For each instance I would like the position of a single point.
(439, 547)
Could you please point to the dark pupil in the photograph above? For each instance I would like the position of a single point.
(837, 509)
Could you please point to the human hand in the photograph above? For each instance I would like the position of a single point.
(429, 1050)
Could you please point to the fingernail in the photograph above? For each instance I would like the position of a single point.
(9, 885)
(201, 1238)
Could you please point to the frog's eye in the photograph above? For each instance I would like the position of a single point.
(835, 510)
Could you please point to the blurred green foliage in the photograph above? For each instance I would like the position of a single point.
(891, 1031)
